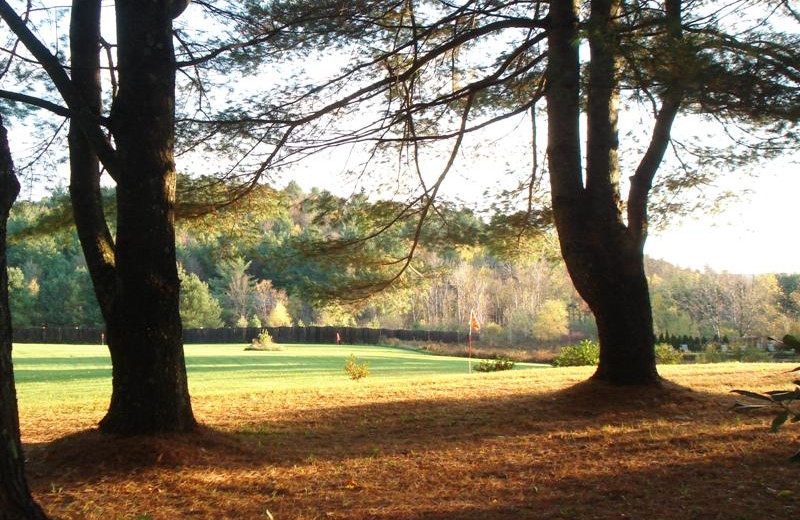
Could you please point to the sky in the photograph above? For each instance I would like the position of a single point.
(756, 234)
(751, 234)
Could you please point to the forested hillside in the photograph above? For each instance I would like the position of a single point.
(274, 259)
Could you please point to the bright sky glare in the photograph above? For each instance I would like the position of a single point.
(757, 234)
(751, 235)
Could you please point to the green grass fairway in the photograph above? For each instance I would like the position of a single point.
(63, 374)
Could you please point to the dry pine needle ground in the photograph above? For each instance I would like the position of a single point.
(527, 444)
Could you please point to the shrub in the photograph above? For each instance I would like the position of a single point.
(355, 369)
(712, 353)
(585, 353)
(782, 403)
(242, 322)
(264, 342)
(494, 365)
(749, 354)
(491, 334)
(389, 342)
(666, 354)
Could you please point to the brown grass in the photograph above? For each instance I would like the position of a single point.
(525, 444)
(532, 355)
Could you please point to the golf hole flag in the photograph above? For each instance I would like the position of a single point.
(473, 322)
(474, 325)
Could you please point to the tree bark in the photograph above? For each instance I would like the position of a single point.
(607, 268)
(136, 279)
(150, 391)
(604, 259)
(84, 189)
(16, 502)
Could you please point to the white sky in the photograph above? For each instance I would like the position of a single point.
(750, 235)
(753, 235)
(757, 234)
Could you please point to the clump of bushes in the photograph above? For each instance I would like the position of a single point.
(666, 354)
(264, 342)
(355, 369)
(585, 353)
(494, 365)
(747, 354)
(713, 353)
(716, 353)
(389, 342)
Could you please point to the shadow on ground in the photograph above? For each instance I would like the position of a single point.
(588, 451)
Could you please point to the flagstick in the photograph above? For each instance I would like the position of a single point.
(469, 350)
(469, 341)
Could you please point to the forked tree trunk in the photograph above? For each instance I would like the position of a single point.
(608, 272)
(16, 502)
(603, 253)
(135, 280)
(150, 391)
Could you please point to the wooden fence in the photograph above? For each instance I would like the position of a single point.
(350, 335)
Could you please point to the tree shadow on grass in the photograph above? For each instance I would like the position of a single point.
(349, 431)
(754, 486)
(587, 451)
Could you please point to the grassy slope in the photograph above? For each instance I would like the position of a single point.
(66, 374)
(526, 444)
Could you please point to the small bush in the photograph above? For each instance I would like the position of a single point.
(264, 342)
(666, 354)
(492, 334)
(585, 353)
(494, 365)
(242, 322)
(389, 342)
(713, 353)
(355, 369)
(749, 354)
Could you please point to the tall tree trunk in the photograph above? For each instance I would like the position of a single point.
(16, 502)
(604, 258)
(150, 391)
(607, 268)
(136, 279)
(84, 189)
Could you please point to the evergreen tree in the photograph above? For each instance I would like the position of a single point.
(279, 316)
(671, 58)
(199, 309)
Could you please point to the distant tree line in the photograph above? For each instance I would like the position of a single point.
(312, 335)
(254, 265)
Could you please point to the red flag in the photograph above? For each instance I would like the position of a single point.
(473, 322)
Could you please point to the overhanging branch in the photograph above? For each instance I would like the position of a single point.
(58, 75)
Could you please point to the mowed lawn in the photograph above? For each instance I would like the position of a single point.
(419, 438)
(71, 374)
